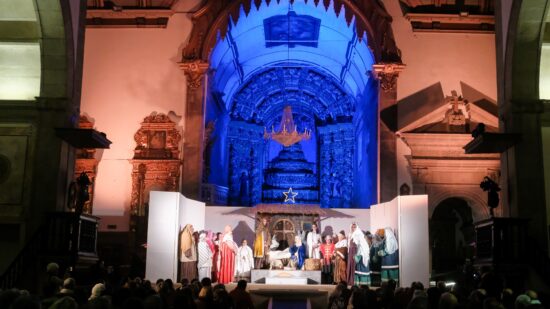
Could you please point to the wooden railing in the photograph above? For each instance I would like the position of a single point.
(27, 256)
(63, 237)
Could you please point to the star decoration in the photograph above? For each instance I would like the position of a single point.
(290, 195)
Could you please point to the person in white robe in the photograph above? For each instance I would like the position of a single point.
(313, 243)
(244, 261)
(204, 264)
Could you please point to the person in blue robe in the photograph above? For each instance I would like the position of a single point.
(298, 253)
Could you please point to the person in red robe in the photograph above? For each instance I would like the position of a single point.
(228, 248)
(216, 256)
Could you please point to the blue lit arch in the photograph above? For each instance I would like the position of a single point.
(326, 83)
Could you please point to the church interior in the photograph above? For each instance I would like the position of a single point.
(299, 113)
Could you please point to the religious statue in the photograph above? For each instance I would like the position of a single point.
(262, 243)
(244, 193)
(188, 254)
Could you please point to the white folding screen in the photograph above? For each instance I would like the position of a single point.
(413, 240)
(169, 212)
(408, 217)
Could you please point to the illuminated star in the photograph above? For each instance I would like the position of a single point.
(290, 195)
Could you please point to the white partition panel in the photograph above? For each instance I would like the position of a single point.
(192, 212)
(343, 218)
(169, 212)
(239, 218)
(413, 240)
(162, 235)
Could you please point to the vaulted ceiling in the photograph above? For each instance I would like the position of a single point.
(303, 36)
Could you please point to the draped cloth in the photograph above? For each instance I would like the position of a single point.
(245, 262)
(227, 257)
(205, 258)
(261, 245)
(188, 254)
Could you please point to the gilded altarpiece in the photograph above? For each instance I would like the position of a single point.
(86, 162)
(156, 163)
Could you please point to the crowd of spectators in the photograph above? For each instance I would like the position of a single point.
(136, 293)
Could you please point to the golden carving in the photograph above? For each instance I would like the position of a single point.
(156, 163)
(194, 71)
(387, 74)
(86, 162)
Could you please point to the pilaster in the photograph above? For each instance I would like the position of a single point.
(387, 74)
(194, 127)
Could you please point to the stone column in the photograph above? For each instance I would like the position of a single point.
(193, 134)
(525, 167)
(387, 74)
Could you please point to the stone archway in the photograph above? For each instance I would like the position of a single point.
(451, 234)
(211, 23)
(521, 110)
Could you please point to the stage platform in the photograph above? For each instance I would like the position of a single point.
(315, 295)
(286, 277)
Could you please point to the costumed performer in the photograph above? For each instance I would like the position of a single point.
(205, 257)
(228, 248)
(216, 256)
(188, 254)
(313, 241)
(390, 256)
(362, 258)
(327, 251)
(352, 251)
(245, 261)
(375, 260)
(298, 253)
(261, 244)
(340, 257)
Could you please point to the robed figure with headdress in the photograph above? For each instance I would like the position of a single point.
(298, 253)
(362, 258)
(188, 254)
(340, 258)
(205, 257)
(390, 256)
(352, 251)
(228, 249)
(244, 261)
(261, 244)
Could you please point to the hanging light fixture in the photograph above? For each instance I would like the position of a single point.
(288, 132)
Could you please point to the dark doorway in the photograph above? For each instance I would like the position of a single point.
(451, 235)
